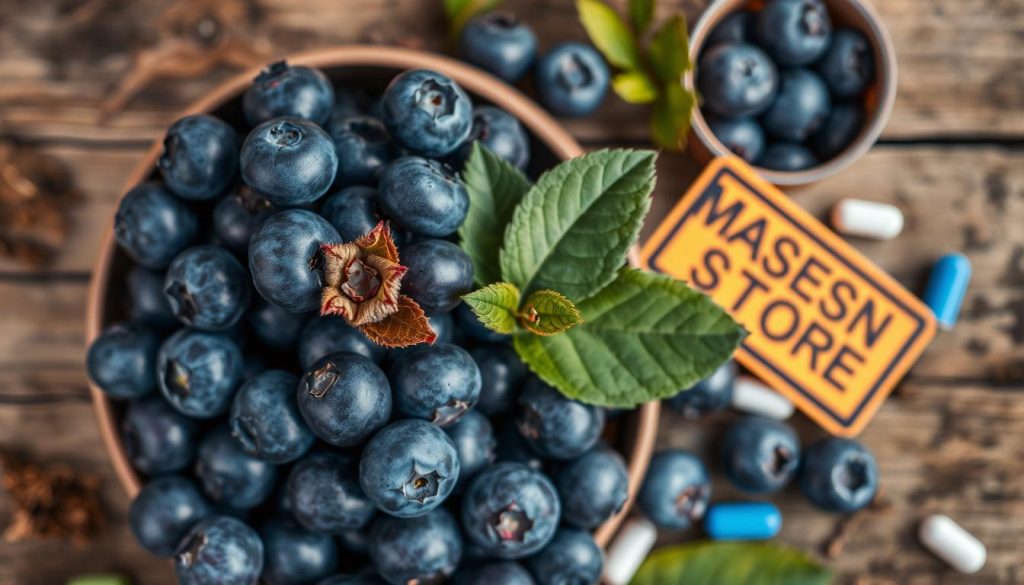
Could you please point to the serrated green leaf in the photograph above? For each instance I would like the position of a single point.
(453, 7)
(547, 312)
(669, 50)
(495, 305)
(670, 119)
(735, 563)
(635, 87)
(571, 231)
(640, 14)
(494, 187)
(609, 33)
(644, 337)
(460, 12)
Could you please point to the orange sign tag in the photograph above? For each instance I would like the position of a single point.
(828, 329)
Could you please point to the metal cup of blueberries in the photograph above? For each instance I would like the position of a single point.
(797, 88)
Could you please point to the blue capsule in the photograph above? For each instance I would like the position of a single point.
(743, 521)
(947, 285)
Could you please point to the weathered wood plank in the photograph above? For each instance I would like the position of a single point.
(961, 71)
(43, 323)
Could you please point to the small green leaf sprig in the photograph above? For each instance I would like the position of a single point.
(651, 64)
(736, 563)
(550, 260)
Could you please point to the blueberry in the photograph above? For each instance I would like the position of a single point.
(149, 304)
(237, 216)
(344, 398)
(474, 441)
(494, 573)
(153, 226)
(285, 90)
(409, 468)
(220, 550)
(157, 438)
(512, 447)
(848, 66)
(501, 133)
(501, 374)
(572, 556)
(323, 494)
(295, 556)
(499, 43)
(735, 28)
(423, 196)
(355, 542)
(510, 511)
(572, 80)
(676, 490)
(438, 383)
(426, 549)
(839, 475)
(470, 325)
(760, 455)
(200, 157)
(364, 149)
(323, 336)
(839, 130)
(736, 80)
(800, 107)
(352, 211)
(786, 156)
(164, 511)
(593, 488)
(229, 476)
(198, 372)
(439, 274)
(794, 32)
(265, 418)
(350, 101)
(351, 580)
(557, 427)
(710, 395)
(443, 326)
(208, 288)
(427, 112)
(122, 361)
(275, 327)
(744, 137)
(290, 161)
(284, 255)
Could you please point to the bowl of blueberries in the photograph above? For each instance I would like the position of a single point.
(799, 89)
(262, 442)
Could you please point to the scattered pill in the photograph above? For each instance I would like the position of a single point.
(951, 543)
(867, 219)
(947, 285)
(754, 397)
(743, 521)
(628, 551)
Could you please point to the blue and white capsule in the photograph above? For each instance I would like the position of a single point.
(743, 521)
(947, 286)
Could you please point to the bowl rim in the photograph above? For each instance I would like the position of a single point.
(888, 77)
(641, 429)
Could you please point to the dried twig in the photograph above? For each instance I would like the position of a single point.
(848, 525)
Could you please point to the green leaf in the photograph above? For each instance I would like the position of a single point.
(644, 337)
(669, 50)
(571, 231)
(547, 312)
(640, 14)
(609, 33)
(635, 87)
(494, 187)
(459, 12)
(670, 120)
(735, 563)
(495, 305)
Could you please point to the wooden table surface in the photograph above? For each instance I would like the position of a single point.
(950, 440)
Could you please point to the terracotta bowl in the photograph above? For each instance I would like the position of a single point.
(878, 100)
(633, 434)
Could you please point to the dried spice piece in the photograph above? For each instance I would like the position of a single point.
(51, 502)
(363, 280)
(848, 525)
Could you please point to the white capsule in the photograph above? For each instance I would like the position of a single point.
(868, 219)
(628, 551)
(753, 397)
(951, 543)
